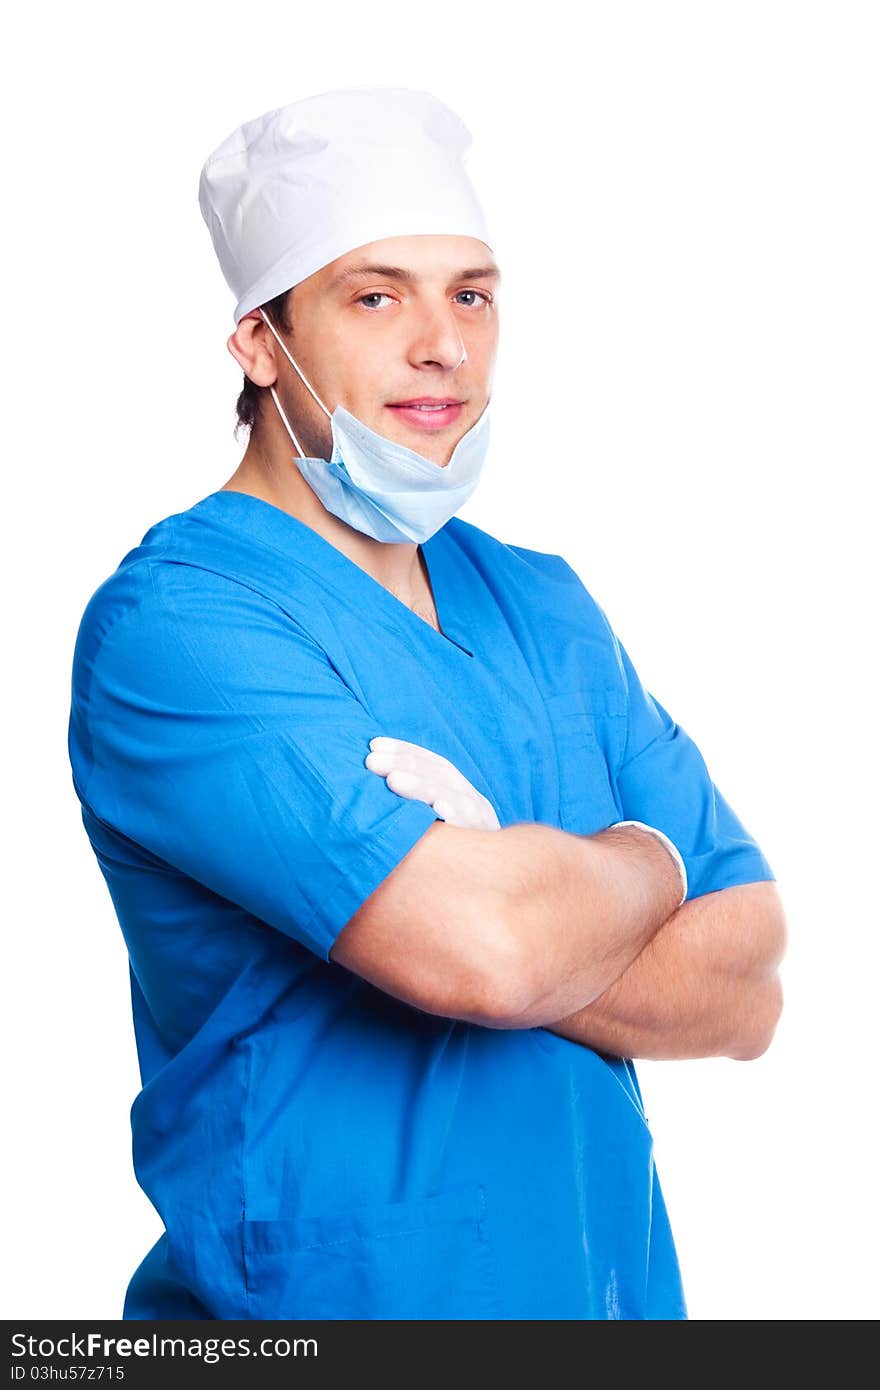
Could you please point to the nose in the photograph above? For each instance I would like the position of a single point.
(438, 342)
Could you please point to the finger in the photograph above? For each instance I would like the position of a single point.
(384, 740)
(433, 765)
(454, 810)
(474, 812)
(409, 785)
(463, 811)
(379, 762)
(391, 761)
(420, 761)
(401, 749)
(438, 781)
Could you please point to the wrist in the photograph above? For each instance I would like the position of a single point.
(672, 857)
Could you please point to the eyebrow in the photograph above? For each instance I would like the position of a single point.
(396, 272)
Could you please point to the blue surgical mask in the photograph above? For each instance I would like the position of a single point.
(382, 488)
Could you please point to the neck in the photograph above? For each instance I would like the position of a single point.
(268, 471)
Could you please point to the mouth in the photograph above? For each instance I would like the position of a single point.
(428, 412)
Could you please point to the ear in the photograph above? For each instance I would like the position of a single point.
(251, 348)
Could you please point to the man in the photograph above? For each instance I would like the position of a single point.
(398, 840)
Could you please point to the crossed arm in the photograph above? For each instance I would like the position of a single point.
(704, 984)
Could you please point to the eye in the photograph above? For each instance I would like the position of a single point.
(375, 294)
(486, 298)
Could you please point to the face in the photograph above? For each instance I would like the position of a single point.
(397, 321)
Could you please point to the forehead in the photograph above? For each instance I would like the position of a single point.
(412, 258)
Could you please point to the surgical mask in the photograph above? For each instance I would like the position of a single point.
(382, 488)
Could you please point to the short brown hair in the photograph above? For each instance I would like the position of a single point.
(248, 405)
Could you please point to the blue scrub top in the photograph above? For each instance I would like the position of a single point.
(315, 1147)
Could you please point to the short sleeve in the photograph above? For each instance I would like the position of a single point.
(208, 727)
(663, 780)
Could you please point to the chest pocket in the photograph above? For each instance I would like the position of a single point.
(589, 728)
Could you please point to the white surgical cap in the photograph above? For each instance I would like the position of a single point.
(290, 191)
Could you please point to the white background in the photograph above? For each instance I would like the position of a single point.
(686, 210)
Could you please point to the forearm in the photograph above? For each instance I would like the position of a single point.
(705, 985)
(579, 910)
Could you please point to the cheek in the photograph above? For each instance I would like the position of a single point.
(482, 347)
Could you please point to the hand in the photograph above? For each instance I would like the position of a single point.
(420, 775)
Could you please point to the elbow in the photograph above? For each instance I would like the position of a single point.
(759, 1021)
(507, 988)
(505, 996)
(761, 995)
(517, 994)
(522, 989)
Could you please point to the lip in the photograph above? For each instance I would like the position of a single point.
(429, 419)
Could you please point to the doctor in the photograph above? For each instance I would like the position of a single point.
(408, 861)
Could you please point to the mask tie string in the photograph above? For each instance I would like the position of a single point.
(306, 383)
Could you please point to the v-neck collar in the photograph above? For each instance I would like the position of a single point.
(271, 525)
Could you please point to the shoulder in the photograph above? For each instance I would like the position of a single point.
(176, 587)
(520, 561)
(474, 541)
(187, 564)
(542, 585)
